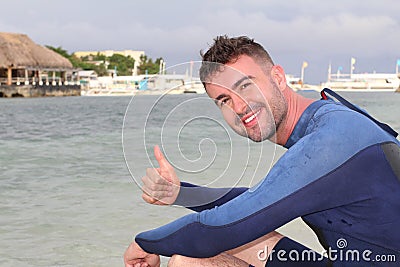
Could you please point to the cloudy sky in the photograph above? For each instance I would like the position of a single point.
(315, 31)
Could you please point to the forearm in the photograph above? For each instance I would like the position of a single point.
(198, 198)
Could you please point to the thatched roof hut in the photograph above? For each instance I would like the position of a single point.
(19, 51)
(21, 58)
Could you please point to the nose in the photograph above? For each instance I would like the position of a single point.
(239, 104)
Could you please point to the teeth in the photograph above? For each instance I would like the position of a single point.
(252, 117)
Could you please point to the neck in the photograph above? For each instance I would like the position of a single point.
(296, 104)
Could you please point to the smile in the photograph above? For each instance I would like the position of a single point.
(249, 118)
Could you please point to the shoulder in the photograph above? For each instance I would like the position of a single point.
(334, 134)
(339, 124)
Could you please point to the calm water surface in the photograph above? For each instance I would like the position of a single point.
(69, 198)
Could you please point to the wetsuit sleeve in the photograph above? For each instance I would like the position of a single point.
(198, 198)
(312, 176)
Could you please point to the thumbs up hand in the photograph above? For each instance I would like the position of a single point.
(160, 185)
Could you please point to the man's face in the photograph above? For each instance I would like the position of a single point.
(249, 98)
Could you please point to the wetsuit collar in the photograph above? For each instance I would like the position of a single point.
(301, 126)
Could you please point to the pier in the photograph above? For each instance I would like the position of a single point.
(39, 91)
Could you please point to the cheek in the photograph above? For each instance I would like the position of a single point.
(260, 96)
(229, 116)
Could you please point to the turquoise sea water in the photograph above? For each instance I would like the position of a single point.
(68, 195)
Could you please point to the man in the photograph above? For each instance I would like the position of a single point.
(340, 174)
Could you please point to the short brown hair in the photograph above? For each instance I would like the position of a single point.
(226, 50)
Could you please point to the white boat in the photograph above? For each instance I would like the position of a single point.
(365, 82)
(145, 85)
(297, 85)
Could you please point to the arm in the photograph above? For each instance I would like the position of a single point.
(198, 198)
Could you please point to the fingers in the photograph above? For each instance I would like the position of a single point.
(136, 263)
(156, 179)
(160, 185)
(155, 185)
(155, 188)
(135, 256)
(149, 199)
(131, 259)
(162, 161)
(166, 170)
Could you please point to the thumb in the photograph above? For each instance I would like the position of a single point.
(162, 161)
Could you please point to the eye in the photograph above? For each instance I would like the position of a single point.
(223, 101)
(245, 85)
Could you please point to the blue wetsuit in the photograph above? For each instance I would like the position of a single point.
(340, 174)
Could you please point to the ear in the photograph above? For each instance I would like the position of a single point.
(278, 75)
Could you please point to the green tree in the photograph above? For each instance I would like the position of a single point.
(148, 64)
(60, 51)
(123, 64)
(99, 57)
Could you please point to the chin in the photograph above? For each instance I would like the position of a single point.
(258, 140)
(260, 137)
(255, 137)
